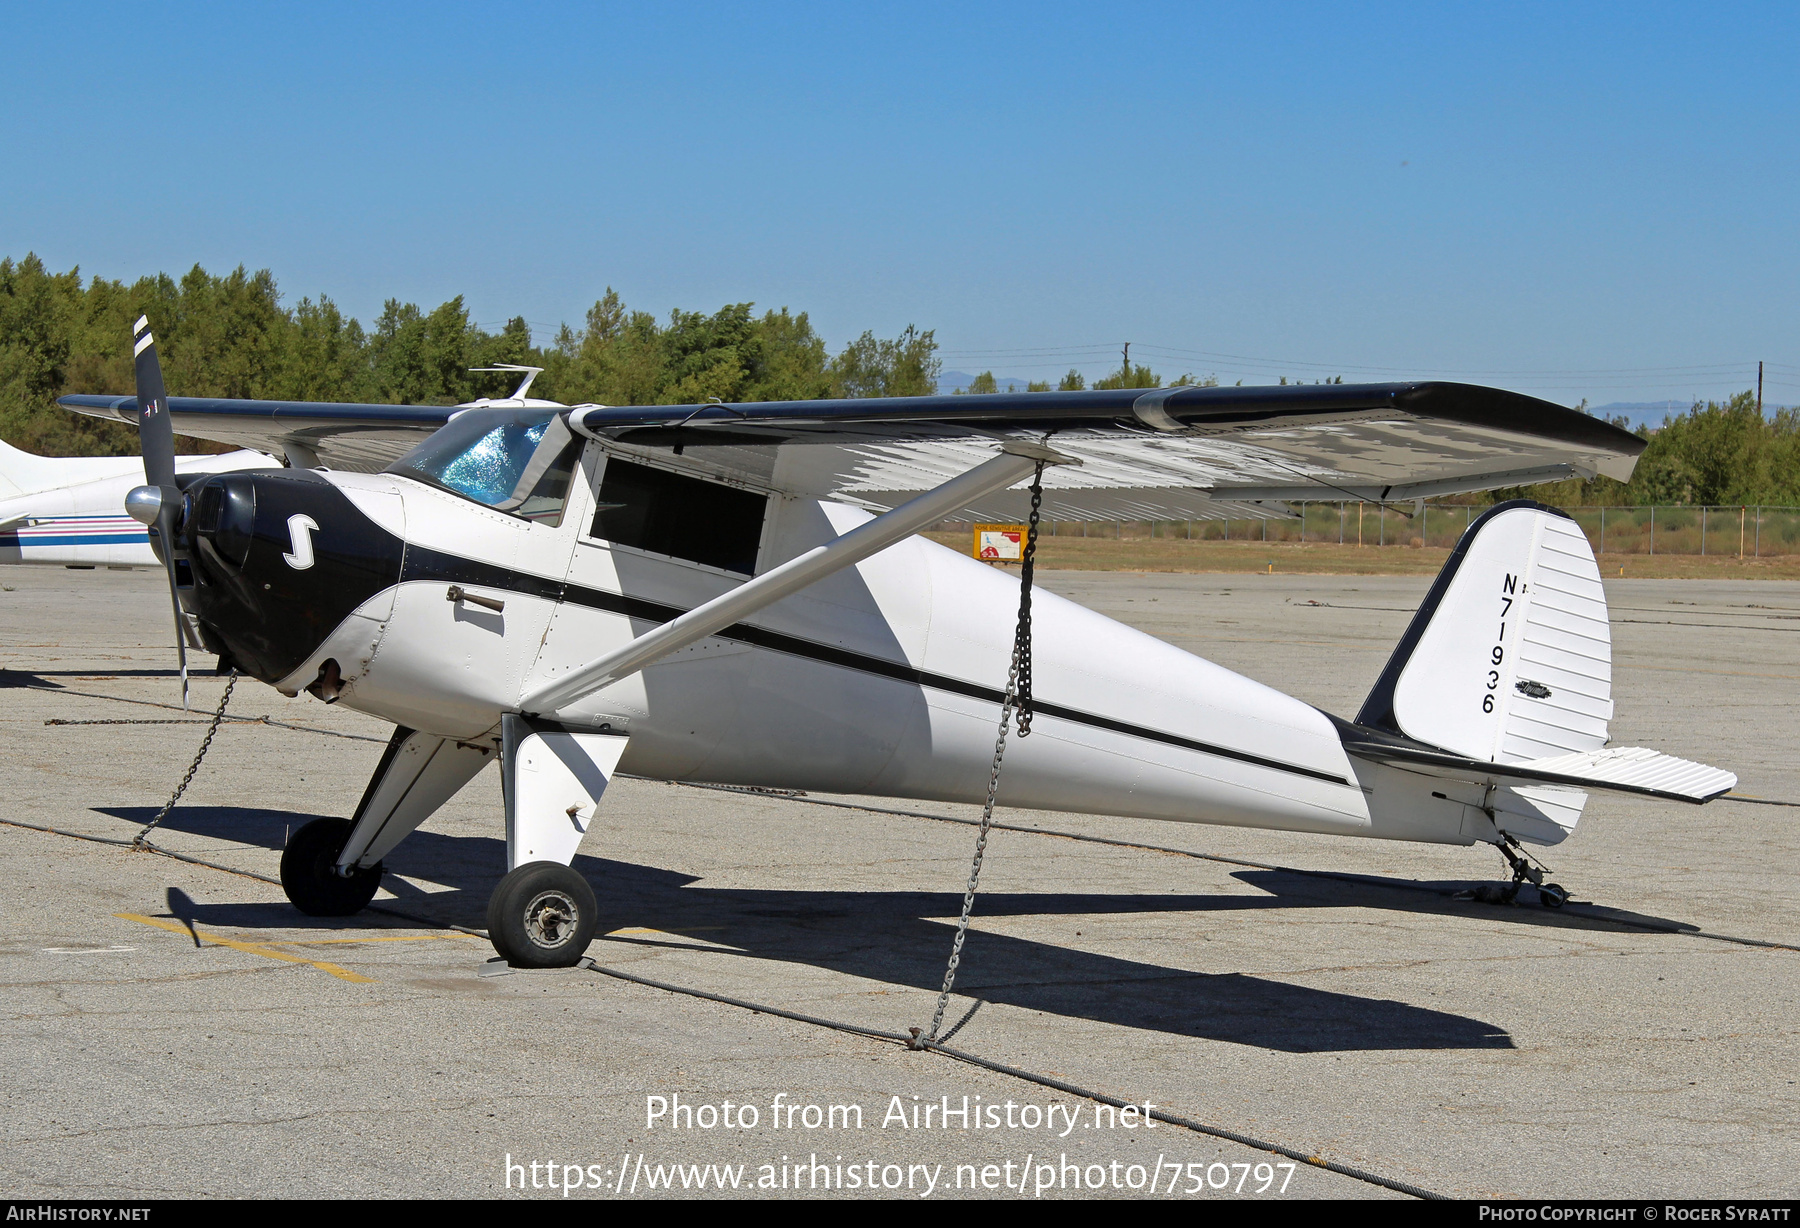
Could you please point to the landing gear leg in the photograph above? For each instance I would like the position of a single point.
(543, 914)
(1550, 895)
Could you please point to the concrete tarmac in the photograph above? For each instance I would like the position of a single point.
(174, 1030)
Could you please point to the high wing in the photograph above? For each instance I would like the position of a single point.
(1165, 453)
(340, 435)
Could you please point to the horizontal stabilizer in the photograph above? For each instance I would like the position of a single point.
(1621, 769)
(1637, 768)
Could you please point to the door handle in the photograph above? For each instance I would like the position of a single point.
(487, 603)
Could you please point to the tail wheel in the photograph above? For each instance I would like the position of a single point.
(309, 872)
(542, 915)
(1552, 896)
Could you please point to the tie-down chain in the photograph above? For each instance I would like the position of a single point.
(1018, 699)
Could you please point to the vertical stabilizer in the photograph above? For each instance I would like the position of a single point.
(22, 473)
(1510, 657)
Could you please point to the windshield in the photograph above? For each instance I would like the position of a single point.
(487, 455)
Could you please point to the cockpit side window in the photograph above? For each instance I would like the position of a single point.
(517, 461)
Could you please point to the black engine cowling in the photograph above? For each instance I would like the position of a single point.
(280, 558)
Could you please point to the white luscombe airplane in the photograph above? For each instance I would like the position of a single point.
(735, 594)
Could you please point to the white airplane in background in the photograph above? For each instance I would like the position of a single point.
(69, 511)
(735, 594)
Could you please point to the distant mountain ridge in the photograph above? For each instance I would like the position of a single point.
(957, 381)
(1652, 413)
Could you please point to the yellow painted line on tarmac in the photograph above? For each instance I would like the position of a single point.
(692, 929)
(319, 942)
(252, 948)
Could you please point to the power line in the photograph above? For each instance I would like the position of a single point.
(1093, 351)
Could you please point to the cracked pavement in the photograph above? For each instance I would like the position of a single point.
(1467, 1048)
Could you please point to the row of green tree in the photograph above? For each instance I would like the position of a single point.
(1133, 376)
(1717, 453)
(231, 336)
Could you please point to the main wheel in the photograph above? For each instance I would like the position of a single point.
(309, 872)
(542, 915)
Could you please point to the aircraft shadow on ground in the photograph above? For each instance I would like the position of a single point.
(11, 678)
(900, 937)
(44, 679)
(1288, 889)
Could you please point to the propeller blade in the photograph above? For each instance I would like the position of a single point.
(180, 627)
(156, 434)
(156, 440)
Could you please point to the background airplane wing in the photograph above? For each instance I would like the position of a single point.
(341, 435)
(1165, 453)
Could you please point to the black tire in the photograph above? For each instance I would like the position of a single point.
(1552, 896)
(309, 872)
(542, 915)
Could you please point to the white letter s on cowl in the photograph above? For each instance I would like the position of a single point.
(300, 531)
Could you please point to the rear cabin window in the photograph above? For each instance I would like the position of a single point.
(684, 517)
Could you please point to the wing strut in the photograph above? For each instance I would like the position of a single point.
(1016, 463)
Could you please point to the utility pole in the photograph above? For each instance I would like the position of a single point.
(1128, 370)
(1759, 388)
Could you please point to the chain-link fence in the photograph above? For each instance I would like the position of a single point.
(1749, 532)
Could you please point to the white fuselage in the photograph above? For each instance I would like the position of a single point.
(883, 679)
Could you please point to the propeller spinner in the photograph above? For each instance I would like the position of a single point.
(157, 503)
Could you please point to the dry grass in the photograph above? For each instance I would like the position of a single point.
(1317, 558)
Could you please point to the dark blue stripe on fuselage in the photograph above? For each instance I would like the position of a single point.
(84, 539)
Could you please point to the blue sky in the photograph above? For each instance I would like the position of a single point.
(1572, 200)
